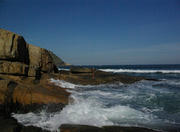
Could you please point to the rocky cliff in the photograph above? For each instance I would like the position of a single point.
(20, 58)
(24, 73)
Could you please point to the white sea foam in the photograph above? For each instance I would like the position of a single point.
(63, 83)
(85, 111)
(139, 71)
(63, 69)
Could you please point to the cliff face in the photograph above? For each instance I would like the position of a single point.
(19, 58)
(24, 73)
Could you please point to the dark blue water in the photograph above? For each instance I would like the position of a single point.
(151, 104)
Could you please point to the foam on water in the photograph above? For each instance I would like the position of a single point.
(140, 71)
(115, 104)
(63, 83)
(63, 69)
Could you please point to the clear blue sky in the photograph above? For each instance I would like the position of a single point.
(99, 31)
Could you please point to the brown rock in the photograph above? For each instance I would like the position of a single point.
(99, 77)
(13, 68)
(27, 91)
(13, 47)
(80, 70)
(3, 90)
(47, 64)
(34, 71)
(34, 55)
(40, 59)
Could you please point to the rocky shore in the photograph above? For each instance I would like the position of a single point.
(25, 71)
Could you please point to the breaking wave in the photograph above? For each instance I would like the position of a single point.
(139, 71)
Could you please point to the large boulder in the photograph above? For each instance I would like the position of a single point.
(13, 47)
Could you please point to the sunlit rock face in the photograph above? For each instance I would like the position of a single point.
(19, 58)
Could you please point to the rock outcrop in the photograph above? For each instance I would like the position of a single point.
(19, 58)
(40, 60)
(24, 73)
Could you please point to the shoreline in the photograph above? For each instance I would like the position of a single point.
(25, 73)
(83, 77)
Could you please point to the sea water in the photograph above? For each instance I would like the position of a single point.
(150, 104)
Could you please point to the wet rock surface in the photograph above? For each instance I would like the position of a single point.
(98, 77)
(11, 125)
(86, 128)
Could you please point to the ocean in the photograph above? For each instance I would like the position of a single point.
(150, 104)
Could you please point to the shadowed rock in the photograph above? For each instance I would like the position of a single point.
(86, 128)
(11, 125)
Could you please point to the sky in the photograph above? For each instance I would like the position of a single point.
(99, 32)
